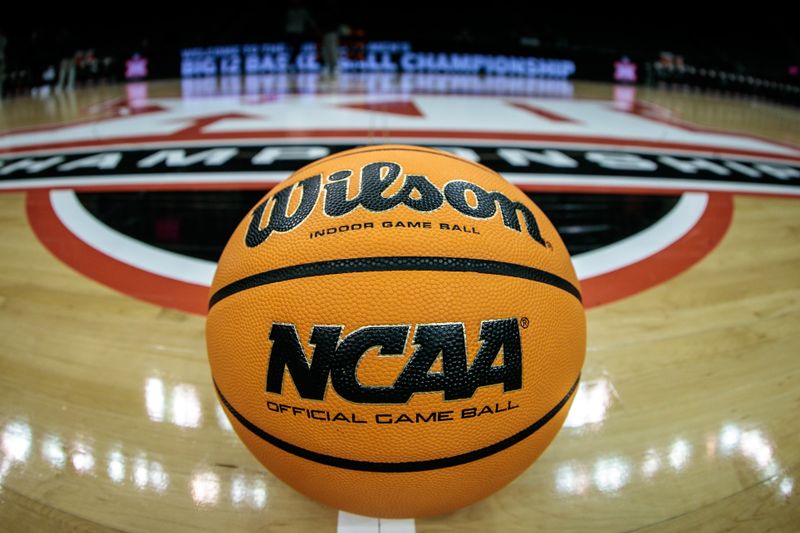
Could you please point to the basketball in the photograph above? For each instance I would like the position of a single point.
(395, 331)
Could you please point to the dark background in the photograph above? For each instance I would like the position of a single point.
(740, 40)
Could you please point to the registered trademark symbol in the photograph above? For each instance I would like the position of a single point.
(524, 322)
(548, 245)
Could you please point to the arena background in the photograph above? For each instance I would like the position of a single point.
(662, 144)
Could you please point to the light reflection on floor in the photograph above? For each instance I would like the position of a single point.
(178, 404)
(610, 474)
(367, 83)
(591, 403)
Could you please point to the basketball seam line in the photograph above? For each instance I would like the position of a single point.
(399, 467)
(394, 263)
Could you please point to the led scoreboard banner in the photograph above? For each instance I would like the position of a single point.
(278, 58)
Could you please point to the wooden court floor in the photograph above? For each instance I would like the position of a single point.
(108, 418)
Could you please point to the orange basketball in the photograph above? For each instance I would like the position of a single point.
(395, 331)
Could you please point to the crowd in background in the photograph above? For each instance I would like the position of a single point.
(54, 63)
(750, 52)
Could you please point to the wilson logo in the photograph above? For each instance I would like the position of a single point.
(416, 192)
(337, 361)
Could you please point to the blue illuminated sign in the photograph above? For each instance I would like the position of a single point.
(277, 58)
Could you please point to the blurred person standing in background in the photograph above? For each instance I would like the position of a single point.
(3, 42)
(330, 27)
(67, 64)
(299, 26)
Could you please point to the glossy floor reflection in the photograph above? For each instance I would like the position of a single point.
(685, 418)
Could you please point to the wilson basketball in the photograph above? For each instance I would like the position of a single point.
(395, 331)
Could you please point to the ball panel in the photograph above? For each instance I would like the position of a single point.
(403, 495)
(482, 366)
(347, 235)
(553, 345)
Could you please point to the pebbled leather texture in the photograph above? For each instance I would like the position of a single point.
(425, 324)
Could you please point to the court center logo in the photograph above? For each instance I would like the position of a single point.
(144, 200)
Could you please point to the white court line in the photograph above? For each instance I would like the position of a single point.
(676, 184)
(435, 142)
(670, 228)
(353, 523)
(271, 177)
(674, 225)
(267, 178)
(126, 249)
